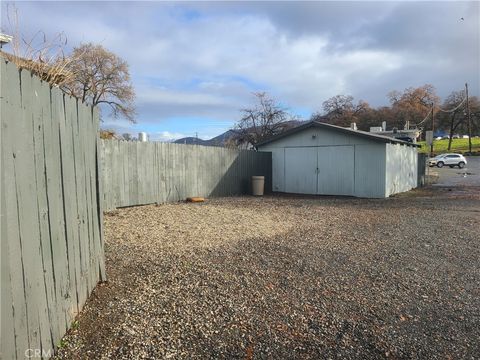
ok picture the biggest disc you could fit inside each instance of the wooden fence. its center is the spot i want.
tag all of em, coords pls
(136, 173)
(51, 216)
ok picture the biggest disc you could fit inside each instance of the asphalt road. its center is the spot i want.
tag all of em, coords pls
(468, 176)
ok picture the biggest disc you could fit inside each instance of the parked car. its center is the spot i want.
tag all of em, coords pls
(405, 138)
(448, 159)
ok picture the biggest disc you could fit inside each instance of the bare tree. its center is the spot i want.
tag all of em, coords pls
(127, 137)
(90, 72)
(266, 119)
(413, 104)
(374, 117)
(43, 56)
(474, 102)
(340, 110)
(453, 116)
(102, 78)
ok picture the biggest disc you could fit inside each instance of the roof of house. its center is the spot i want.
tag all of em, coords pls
(317, 124)
(5, 39)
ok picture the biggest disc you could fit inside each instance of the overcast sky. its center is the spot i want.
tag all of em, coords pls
(194, 65)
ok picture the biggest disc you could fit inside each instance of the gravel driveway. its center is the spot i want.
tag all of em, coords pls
(289, 277)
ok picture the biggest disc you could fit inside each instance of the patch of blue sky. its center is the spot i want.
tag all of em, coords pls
(184, 14)
(301, 112)
(176, 84)
(253, 85)
(158, 81)
(196, 82)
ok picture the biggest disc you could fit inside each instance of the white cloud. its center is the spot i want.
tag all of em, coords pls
(166, 136)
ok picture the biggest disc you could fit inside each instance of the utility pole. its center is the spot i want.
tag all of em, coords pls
(433, 129)
(469, 121)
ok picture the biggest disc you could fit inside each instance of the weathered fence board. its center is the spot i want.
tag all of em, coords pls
(136, 173)
(51, 245)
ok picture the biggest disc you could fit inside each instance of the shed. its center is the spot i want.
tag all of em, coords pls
(323, 159)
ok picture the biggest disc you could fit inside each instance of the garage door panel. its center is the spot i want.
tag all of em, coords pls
(336, 170)
(300, 170)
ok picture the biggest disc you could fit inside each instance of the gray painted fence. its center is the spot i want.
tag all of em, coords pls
(136, 173)
(51, 218)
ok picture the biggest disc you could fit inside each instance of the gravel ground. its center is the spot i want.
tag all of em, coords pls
(289, 277)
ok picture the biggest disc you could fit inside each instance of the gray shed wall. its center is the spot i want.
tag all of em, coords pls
(370, 170)
(401, 168)
(369, 162)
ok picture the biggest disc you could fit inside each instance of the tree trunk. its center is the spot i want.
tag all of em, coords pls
(452, 129)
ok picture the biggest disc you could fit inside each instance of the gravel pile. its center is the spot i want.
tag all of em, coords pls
(289, 277)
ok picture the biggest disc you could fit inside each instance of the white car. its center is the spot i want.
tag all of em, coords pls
(448, 159)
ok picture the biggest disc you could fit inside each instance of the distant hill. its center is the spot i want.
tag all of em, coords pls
(221, 139)
(190, 141)
(216, 141)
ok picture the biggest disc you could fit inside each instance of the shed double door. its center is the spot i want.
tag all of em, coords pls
(323, 170)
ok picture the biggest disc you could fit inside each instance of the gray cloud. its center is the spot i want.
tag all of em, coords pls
(187, 58)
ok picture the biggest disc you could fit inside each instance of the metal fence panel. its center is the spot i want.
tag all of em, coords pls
(422, 168)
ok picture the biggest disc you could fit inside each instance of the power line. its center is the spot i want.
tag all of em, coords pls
(445, 111)
(426, 118)
(455, 108)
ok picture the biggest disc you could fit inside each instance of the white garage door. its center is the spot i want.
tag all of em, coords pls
(325, 170)
(301, 170)
(336, 171)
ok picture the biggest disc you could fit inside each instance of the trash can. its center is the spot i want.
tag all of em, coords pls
(258, 183)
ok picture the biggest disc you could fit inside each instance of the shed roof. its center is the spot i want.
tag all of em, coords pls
(317, 124)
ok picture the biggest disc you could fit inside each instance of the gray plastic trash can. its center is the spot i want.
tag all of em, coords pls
(258, 184)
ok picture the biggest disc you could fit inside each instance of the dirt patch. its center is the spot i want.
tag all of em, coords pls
(288, 277)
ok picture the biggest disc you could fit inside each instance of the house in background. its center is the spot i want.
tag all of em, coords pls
(319, 158)
(405, 134)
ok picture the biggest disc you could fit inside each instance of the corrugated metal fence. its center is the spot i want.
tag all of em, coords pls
(422, 168)
(136, 173)
(51, 218)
